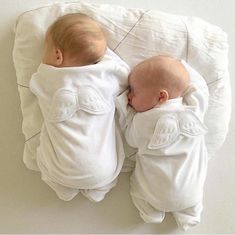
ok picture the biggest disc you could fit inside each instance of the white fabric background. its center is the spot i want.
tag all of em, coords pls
(27, 205)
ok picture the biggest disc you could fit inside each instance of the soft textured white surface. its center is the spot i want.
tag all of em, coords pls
(28, 206)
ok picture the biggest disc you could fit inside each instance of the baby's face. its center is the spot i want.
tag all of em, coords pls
(156, 80)
(141, 96)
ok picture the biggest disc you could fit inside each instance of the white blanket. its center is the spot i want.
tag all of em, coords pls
(134, 34)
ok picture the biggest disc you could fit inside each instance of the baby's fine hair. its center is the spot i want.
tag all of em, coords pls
(166, 72)
(78, 35)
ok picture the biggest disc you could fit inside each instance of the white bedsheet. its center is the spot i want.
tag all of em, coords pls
(133, 34)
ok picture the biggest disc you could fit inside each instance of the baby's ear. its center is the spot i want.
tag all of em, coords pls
(59, 57)
(163, 96)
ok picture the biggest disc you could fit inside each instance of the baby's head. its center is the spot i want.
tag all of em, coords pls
(155, 80)
(74, 40)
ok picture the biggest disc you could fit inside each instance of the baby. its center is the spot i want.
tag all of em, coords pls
(80, 149)
(162, 116)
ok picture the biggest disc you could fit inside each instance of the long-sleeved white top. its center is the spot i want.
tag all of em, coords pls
(79, 146)
(171, 161)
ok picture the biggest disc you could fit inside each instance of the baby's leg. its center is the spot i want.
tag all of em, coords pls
(148, 213)
(64, 193)
(188, 217)
(98, 194)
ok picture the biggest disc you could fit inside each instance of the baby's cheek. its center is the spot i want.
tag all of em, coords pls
(138, 105)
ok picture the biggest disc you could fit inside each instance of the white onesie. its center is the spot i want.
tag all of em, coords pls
(79, 146)
(171, 161)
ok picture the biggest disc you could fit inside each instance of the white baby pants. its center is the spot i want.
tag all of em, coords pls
(67, 194)
(185, 218)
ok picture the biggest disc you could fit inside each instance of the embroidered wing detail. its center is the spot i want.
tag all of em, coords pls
(92, 101)
(190, 125)
(63, 106)
(66, 103)
(165, 133)
(170, 126)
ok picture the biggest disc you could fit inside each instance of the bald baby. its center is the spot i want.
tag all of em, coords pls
(155, 80)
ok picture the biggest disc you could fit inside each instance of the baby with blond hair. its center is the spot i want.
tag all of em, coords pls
(161, 116)
(74, 40)
(80, 147)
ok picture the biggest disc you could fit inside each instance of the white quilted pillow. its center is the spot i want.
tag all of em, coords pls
(135, 35)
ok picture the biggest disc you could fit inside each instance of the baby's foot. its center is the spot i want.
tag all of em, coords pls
(94, 195)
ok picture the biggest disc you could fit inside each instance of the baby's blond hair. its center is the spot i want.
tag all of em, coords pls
(78, 35)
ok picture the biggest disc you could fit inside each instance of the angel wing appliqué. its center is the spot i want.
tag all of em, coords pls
(66, 102)
(170, 126)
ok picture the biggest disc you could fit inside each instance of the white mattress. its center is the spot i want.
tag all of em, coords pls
(135, 35)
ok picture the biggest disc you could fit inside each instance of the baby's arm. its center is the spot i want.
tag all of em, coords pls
(120, 72)
(125, 116)
(197, 94)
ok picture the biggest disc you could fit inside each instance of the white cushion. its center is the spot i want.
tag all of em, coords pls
(135, 35)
